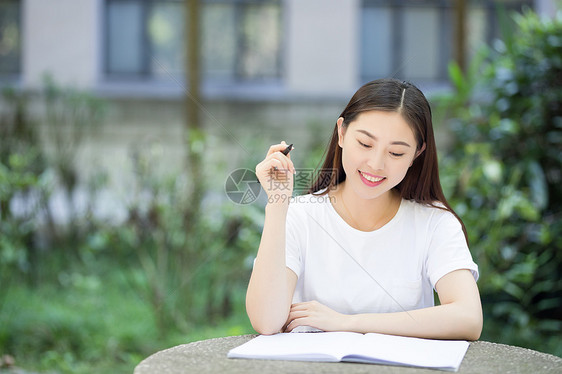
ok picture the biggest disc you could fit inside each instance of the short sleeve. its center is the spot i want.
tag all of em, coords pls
(448, 250)
(294, 231)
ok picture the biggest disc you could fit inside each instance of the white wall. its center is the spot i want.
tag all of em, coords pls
(61, 37)
(548, 8)
(321, 47)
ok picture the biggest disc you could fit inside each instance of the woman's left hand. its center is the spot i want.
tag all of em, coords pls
(314, 314)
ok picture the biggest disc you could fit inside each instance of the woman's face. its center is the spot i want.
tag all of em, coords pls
(377, 149)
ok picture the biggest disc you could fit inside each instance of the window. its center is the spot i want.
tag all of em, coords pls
(10, 39)
(240, 39)
(144, 38)
(413, 38)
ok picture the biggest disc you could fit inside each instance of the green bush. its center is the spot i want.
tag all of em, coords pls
(24, 190)
(192, 270)
(106, 294)
(33, 244)
(507, 121)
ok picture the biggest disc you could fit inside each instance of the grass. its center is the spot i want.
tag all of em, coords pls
(89, 324)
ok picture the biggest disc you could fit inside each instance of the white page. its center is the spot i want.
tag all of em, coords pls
(349, 346)
(299, 346)
(446, 354)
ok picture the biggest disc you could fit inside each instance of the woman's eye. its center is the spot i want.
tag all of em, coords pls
(364, 145)
(397, 154)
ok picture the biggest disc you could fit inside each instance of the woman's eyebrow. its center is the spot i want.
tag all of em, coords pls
(398, 142)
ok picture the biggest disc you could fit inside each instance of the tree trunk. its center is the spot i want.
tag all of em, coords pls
(194, 129)
(188, 259)
(460, 33)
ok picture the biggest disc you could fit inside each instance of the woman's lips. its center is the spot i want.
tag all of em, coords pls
(371, 180)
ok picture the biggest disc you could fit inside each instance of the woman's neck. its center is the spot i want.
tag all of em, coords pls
(365, 214)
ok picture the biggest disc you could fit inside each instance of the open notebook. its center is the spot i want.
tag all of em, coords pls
(353, 347)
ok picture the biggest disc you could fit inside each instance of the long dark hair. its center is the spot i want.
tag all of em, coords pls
(421, 182)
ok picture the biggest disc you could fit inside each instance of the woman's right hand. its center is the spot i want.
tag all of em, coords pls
(276, 174)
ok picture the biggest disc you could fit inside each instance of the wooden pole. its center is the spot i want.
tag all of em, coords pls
(459, 47)
(192, 99)
(192, 63)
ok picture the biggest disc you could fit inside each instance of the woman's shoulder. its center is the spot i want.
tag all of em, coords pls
(429, 212)
(434, 220)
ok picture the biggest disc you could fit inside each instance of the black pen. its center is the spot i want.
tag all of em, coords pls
(288, 149)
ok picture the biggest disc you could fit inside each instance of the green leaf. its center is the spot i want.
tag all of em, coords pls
(457, 77)
(538, 185)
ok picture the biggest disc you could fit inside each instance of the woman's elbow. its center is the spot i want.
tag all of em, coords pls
(473, 326)
(264, 326)
(266, 330)
(264, 323)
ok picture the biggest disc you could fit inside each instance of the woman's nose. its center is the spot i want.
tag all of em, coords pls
(376, 160)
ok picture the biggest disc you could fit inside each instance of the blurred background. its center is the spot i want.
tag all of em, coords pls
(122, 121)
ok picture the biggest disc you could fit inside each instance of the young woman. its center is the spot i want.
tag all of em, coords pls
(365, 248)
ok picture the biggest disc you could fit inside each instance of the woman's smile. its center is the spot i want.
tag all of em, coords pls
(371, 180)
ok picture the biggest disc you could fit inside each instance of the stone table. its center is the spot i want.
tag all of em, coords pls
(209, 356)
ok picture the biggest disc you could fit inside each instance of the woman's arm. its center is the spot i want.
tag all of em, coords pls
(458, 317)
(271, 287)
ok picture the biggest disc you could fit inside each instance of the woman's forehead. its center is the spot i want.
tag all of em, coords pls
(382, 124)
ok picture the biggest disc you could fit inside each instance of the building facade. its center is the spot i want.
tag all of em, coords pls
(250, 49)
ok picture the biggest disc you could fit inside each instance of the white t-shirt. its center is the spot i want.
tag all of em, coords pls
(392, 269)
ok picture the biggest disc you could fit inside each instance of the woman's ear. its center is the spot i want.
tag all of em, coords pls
(341, 131)
(418, 153)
